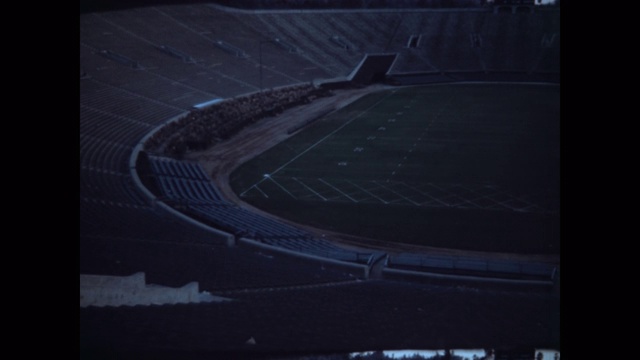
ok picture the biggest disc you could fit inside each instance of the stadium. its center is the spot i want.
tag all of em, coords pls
(288, 179)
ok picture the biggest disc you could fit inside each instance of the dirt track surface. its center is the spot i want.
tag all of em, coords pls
(223, 158)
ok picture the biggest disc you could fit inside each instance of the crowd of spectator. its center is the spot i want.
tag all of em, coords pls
(201, 129)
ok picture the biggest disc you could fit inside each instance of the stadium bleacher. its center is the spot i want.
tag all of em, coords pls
(282, 302)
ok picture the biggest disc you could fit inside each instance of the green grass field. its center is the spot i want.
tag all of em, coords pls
(473, 166)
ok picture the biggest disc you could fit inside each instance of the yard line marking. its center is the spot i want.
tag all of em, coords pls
(310, 189)
(402, 196)
(514, 197)
(448, 192)
(470, 199)
(249, 189)
(338, 190)
(503, 204)
(425, 194)
(263, 193)
(330, 134)
(488, 196)
(525, 209)
(282, 187)
(365, 190)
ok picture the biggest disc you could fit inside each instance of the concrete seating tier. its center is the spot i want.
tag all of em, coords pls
(175, 262)
(342, 318)
(473, 266)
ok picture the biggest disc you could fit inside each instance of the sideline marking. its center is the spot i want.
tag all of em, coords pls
(328, 135)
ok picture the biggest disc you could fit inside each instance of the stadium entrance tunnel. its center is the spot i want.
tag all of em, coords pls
(372, 69)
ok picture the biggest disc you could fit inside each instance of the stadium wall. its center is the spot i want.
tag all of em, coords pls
(402, 79)
(357, 270)
(403, 275)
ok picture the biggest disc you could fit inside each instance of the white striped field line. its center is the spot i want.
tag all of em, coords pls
(365, 190)
(504, 204)
(519, 198)
(428, 195)
(324, 138)
(451, 195)
(263, 193)
(338, 190)
(282, 187)
(425, 129)
(500, 204)
(195, 31)
(395, 192)
(488, 197)
(511, 198)
(470, 201)
(310, 189)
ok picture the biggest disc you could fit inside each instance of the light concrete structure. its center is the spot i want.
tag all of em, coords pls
(99, 290)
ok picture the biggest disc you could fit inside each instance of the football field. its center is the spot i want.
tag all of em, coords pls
(468, 166)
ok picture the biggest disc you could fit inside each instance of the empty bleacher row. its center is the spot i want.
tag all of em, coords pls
(108, 186)
(185, 183)
(100, 124)
(177, 188)
(179, 169)
(472, 41)
(457, 265)
(255, 46)
(212, 71)
(323, 248)
(108, 99)
(449, 41)
(104, 155)
(244, 223)
(173, 259)
(182, 183)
